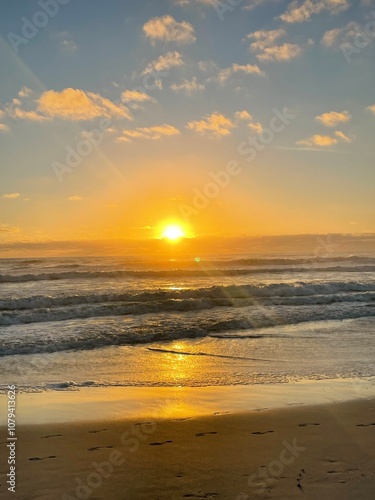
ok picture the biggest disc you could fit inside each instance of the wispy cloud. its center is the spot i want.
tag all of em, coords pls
(4, 127)
(325, 140)
(75, 198)
(216, 125)
(68, 46)
(285, 52)
(11, 196)
(333, 118)
(318, 140)
(371, 109)
(135, 96)
(15, 111)
(6, 228)
(163, 63)
(187, 86)
(265, 44)
(340, 135)
(246, 69)
(167, 29)
(244, 115)
(335, 38)
(300, 11)
(25, 92)
(252, 4)
(155, 132)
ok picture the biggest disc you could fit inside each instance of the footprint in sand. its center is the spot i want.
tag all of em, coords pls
(51, 436)
(36, 459)
(260, 433)
(365, 425)
(261, 409)
(182, 419)
(96, 431)
(221, 413)
(306, 425)
(200, 434)
(99, 448)
(159, 444)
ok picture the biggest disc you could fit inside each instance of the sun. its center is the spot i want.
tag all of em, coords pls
(173, 232)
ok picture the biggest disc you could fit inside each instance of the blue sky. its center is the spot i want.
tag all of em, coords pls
(182, 84)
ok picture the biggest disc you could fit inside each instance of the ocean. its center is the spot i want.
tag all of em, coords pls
(74, 322)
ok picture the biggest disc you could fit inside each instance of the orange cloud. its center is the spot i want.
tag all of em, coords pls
(318, 140)
(154, 132)
(215, 124)
(167, 29)
(135, 96)
(285, 52)
(333, 118)
(76, 104)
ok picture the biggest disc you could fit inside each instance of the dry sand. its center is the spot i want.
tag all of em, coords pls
(305, 452)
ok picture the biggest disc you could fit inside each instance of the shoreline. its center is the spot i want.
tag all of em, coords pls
(116, 403)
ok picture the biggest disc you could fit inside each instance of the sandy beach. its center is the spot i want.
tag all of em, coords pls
(297, 451)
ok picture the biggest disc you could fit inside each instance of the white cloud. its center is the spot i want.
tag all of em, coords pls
(333, 118)
(215, 125)
(188, 87)
(167, 29)
(300, 11)
(163, 63)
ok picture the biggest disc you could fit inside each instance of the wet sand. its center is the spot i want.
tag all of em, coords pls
(300, 451)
